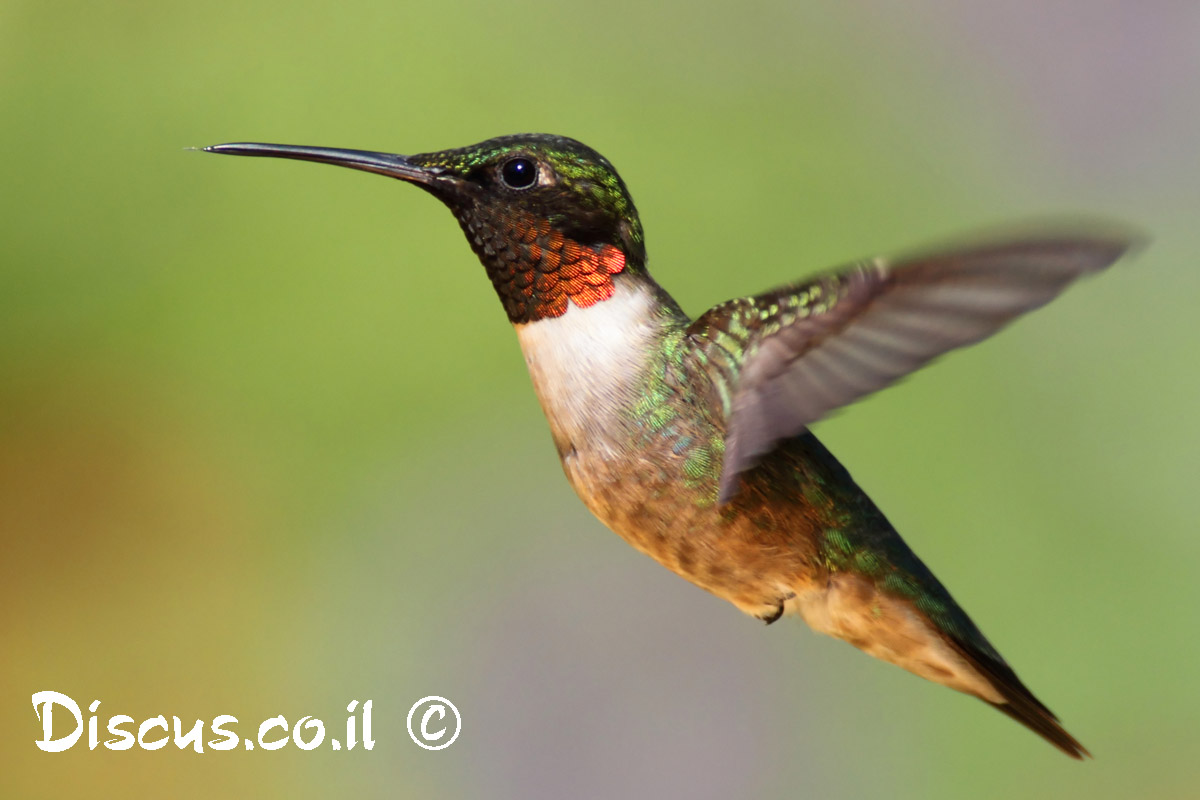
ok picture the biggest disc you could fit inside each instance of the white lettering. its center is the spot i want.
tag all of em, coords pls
(127, 739)
(192, 738)
(438, 709)
(273, 722)
(368, 742)
(93, 737)
(312, 724)
(154, 722)
(47, 700)
(231, 738)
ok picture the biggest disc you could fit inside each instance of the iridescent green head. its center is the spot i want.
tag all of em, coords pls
(549, 217)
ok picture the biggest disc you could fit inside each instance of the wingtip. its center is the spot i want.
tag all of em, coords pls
(1101, 241)
(1134, 242)
(1110, 241)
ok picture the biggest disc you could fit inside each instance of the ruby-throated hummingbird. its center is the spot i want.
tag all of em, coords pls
(690, 439)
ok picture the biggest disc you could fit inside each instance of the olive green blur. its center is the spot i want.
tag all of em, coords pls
(268, 445)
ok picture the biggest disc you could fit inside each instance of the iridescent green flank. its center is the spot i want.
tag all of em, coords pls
(860, 547)
(859, 539)
(700, 364)
(666, 410)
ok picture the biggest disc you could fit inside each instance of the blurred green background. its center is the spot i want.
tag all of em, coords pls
(267, 444)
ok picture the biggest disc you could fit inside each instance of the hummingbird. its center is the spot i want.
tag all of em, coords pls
(690, 438)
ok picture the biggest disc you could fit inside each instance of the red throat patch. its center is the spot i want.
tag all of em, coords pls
(537, 271)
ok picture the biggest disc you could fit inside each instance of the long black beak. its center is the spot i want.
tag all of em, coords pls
(393, 166)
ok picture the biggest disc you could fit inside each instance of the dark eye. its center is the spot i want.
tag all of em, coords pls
(518, 173)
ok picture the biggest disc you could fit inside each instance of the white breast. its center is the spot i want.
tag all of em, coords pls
(587, 363)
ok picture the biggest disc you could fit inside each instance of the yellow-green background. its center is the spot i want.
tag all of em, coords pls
(267, 443)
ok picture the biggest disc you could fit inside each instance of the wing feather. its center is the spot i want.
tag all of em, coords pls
(810, 348)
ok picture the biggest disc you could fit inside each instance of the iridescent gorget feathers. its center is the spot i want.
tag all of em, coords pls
(538, 255)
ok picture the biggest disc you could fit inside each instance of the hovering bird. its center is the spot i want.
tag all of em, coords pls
(690, 438)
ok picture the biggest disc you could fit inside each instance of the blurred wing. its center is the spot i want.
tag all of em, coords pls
(792, 355)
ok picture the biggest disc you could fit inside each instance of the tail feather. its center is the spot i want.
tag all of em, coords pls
(1019, 703)
(950, 651)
